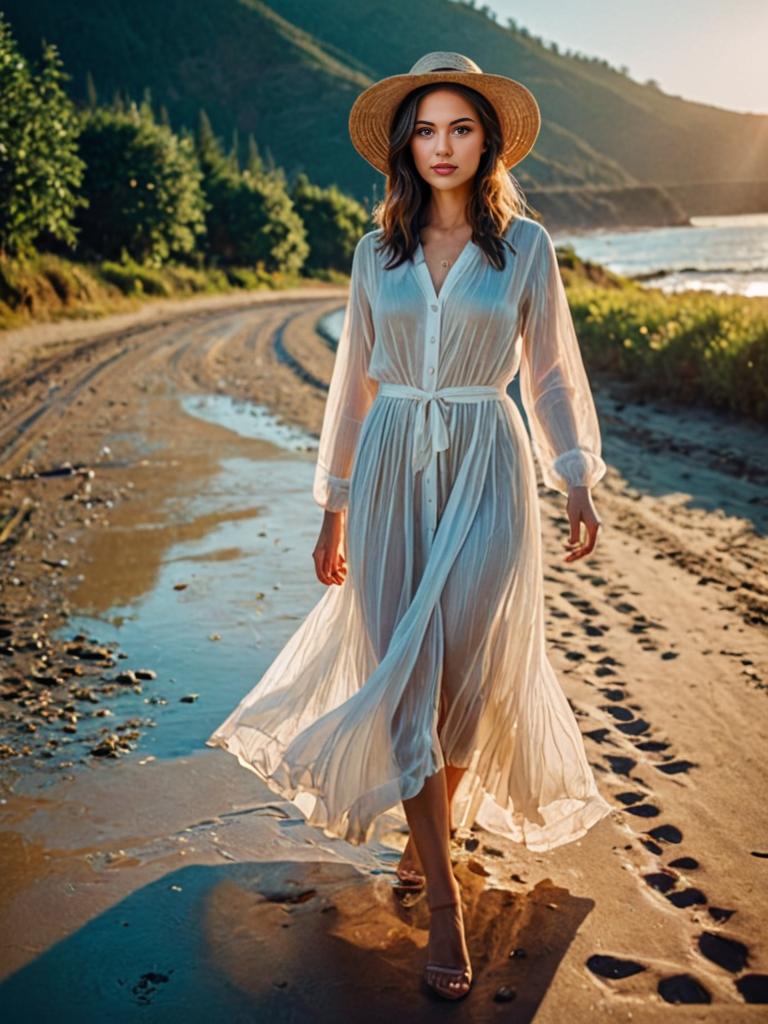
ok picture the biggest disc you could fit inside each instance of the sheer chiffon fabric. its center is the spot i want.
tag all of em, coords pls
(433, 651)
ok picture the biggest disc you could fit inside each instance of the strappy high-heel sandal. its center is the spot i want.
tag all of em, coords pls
(410, 880)
(455, 975)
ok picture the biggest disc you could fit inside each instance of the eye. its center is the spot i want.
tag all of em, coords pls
(459, 127)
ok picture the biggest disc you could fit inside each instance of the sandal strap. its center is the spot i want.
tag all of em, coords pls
(449, 970)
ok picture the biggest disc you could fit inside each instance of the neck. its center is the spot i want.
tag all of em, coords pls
(447, 211)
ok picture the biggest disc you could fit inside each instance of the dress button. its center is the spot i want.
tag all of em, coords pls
(432, 339)
(433, 308)
(431, 370)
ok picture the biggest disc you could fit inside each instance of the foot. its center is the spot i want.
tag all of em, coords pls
(410, 868)
(448, 969)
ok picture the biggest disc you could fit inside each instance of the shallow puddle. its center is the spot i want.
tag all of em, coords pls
(230, 519)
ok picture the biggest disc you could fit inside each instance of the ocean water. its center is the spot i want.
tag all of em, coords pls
(718, 254)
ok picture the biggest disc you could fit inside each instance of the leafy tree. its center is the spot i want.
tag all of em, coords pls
(254, 165)
(143, 185)
(40, 169)
(92, 96)
(250, 218)
(334, 223)
(209, 151)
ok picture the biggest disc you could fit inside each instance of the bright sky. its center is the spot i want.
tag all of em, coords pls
(713, 51)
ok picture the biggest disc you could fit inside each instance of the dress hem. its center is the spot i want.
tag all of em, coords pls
(588, 812)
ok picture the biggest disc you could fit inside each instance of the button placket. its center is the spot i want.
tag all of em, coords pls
(429, 383)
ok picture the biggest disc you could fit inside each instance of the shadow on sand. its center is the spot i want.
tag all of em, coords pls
(292, 942)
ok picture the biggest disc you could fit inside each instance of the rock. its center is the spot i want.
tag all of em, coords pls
(504, 994)
(128, 677)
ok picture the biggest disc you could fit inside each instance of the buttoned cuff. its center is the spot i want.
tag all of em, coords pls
(330, 492)
(578, 467)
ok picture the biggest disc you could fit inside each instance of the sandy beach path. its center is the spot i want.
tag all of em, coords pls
(166, 882)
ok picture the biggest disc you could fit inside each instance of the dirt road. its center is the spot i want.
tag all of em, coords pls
(176, 515)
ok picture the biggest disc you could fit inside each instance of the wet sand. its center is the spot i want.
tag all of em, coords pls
(145, 878)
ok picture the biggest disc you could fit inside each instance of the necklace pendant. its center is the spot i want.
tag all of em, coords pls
(445, 263)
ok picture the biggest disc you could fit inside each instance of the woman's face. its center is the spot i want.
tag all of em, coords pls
(447, 131)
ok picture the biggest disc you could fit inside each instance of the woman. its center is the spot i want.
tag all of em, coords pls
(420, 679)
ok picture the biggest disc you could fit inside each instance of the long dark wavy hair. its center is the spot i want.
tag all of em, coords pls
(495, 201)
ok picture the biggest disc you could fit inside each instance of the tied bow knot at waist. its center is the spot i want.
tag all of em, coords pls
(431, 434)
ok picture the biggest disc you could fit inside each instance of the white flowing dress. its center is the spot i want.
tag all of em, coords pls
(432, 650)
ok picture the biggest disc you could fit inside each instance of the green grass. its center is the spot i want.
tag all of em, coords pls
(696, 348)
(46, 287)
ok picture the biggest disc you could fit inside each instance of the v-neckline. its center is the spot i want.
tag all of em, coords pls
(421, 265)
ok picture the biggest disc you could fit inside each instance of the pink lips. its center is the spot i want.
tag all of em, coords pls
(443, 169)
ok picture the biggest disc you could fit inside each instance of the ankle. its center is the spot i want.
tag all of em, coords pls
(444, 892)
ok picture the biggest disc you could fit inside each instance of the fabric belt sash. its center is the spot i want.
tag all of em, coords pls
(431, 433)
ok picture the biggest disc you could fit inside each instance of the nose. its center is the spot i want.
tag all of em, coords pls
(443, 147)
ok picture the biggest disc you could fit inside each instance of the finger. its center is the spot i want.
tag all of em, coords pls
(578, 553)
(339, 572)
(575, 535)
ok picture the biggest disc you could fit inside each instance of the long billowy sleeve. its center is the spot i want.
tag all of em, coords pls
(558, 402)
(350, 392)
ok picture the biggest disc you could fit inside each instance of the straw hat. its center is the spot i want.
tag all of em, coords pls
(371, 115)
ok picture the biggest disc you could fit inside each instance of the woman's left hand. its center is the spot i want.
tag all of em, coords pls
(581, 510)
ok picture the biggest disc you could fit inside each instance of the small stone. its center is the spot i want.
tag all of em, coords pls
(128, 677)
(504, 994)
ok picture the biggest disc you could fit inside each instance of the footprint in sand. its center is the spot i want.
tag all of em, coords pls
(684, 863)
(720, 914)
(730, 954)
(617, 711)
(613, 693)
(690, 897)
(661, 881)
(636, 727)
(584, 605)
(620, 765)
(678, 988)
(652, 746)
(666, 834)
(644, 811)
(683, 988)
(733, 956)
(753, 988)
(613, 967)
(676, 767)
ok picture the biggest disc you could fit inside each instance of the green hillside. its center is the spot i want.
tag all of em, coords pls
(288, 71)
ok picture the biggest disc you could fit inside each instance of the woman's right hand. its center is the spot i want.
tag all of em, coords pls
(330, 550)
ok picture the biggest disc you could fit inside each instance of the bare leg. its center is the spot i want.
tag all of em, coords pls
(427, 814)
(411, 859)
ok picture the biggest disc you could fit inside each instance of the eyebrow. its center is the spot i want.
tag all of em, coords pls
(456, 121)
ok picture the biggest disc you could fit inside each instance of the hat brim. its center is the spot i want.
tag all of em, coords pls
(371, 115)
